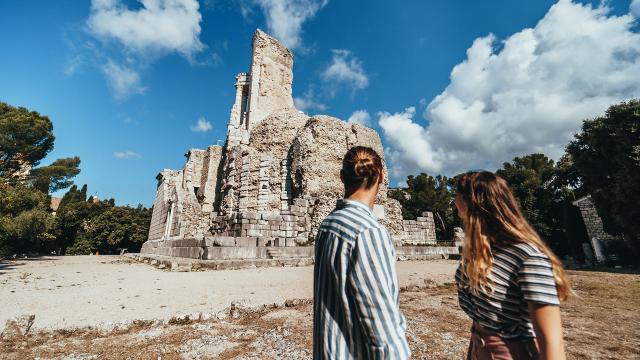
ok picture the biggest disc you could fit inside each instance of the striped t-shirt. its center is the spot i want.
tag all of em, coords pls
(520, 274)
(356, 312)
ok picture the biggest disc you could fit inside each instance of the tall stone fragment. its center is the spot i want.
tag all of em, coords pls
(271, 78)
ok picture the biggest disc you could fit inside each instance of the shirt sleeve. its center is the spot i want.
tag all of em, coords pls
(536, 280)
(374, 286)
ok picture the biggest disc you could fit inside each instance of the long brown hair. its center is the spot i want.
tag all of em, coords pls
(492, 215)
(361, 166)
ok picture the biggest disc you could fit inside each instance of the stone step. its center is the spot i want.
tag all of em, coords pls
(275, 253)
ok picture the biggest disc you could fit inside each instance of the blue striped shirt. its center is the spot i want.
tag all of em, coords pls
(356, 313)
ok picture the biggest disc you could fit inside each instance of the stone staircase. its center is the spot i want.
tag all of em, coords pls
(275, 254)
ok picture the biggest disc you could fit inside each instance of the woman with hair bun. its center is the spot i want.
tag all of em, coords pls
(356, 312)
(509, 282)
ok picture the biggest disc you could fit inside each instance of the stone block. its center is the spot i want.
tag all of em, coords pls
(224, 241)
(245, 241)
(271, 217)
(252, 215)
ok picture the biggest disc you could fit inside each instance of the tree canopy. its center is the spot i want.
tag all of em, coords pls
(57, 176)
(26, 137)
(605, 159)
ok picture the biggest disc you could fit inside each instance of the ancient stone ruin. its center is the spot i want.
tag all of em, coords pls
(594, 250)
(264, 193)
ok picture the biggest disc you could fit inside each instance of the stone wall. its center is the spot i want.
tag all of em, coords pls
(289, 228)
(421, 231)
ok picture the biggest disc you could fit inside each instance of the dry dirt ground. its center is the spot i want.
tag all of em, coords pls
(101, 291)
(602, 321)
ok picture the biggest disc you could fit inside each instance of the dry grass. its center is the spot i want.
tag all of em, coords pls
(601, 322)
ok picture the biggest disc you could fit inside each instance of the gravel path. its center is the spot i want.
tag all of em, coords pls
(101, 291)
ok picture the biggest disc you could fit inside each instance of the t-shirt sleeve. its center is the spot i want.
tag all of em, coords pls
(536, 280)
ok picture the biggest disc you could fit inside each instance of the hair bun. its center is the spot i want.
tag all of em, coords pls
(361, 166)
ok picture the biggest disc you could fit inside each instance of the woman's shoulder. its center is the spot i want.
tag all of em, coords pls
(524, 250)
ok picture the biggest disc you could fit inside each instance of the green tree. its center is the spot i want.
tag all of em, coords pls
(605, 156)
(71, 215)
(26, 224)
(56, 176)
(428, 193)
(529, 177)
(120, 227)
(26, 137)
(545, 191)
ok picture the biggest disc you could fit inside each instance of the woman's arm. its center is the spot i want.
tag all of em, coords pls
(548, 328)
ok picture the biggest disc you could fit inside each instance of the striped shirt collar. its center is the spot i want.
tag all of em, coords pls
(342, 203)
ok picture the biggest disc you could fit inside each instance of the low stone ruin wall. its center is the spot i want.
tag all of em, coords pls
(421, 231)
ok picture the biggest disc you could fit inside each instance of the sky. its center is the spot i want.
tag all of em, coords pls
(450, 86)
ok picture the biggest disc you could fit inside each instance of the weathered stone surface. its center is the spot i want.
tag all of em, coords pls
(316, 160)
(316, 156)
(17, 327)
(392, 218)
(271, 78)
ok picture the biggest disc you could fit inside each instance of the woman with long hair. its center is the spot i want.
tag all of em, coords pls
(509, 282)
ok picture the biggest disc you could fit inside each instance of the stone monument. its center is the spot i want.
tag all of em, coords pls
(269, 187)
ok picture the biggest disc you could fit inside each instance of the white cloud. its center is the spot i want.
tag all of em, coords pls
(346, 69)
(158, 26)
(122, 80)
(408, 148)
(202, 125)
(123, 155)
(634, 8)
(308, 102)
(530, 96)
(285, 17)
(361, 117)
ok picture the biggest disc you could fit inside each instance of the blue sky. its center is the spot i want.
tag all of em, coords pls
(128, 102)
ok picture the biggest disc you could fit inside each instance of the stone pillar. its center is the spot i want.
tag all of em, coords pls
(238, 122)
(263, 184)
(588, 253)
(286, 184)
(229, 183)
(598, 250)
(245, 182)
